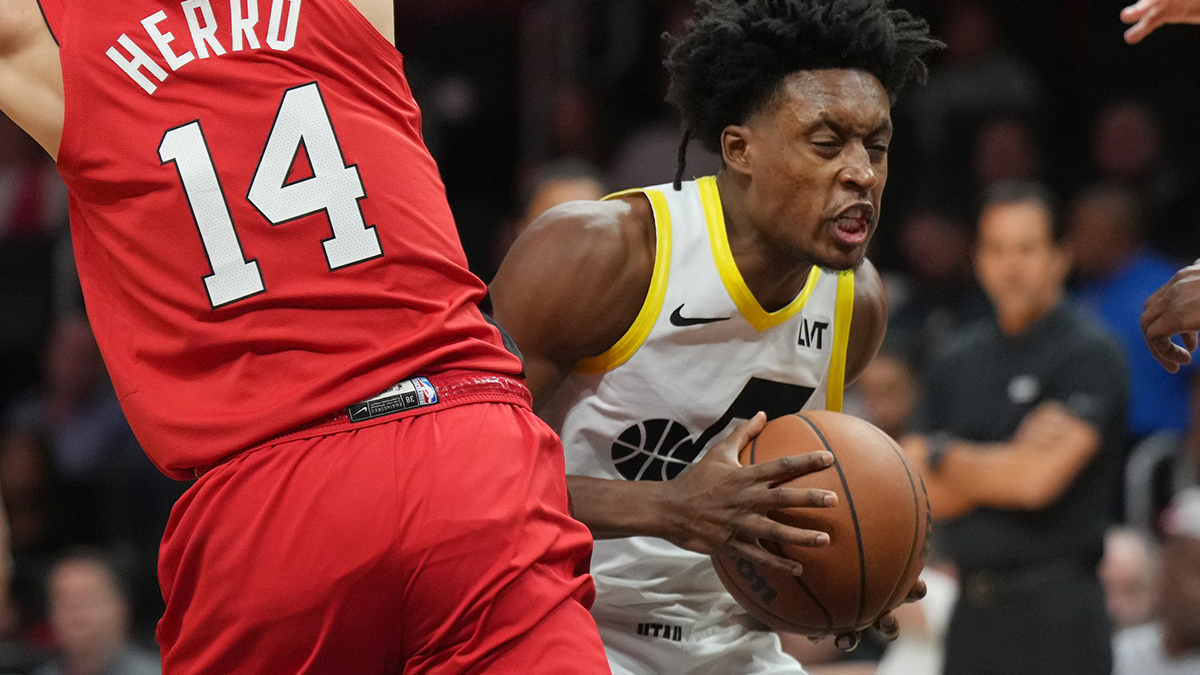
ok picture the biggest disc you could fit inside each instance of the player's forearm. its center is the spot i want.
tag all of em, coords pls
(617, 508)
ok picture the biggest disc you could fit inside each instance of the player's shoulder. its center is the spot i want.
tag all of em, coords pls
(868, 287)
(593, 232)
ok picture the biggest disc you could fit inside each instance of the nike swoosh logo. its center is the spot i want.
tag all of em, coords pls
(678, 319)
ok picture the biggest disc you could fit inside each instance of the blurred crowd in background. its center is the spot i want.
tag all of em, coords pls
(529, 103)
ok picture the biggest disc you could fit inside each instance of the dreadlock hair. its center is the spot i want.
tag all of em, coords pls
(736, 54)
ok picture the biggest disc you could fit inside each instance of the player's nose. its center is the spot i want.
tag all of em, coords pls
(858, 171)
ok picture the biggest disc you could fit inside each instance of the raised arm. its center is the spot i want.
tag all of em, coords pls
(31, 89)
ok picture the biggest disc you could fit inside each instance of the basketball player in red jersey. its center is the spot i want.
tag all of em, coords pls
(795, 95)
(274, 278)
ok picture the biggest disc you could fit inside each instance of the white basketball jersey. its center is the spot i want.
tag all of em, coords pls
(701, 355)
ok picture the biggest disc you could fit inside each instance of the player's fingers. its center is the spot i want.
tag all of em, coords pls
(1153, 309)
(761, 557)
(917, 592)
(1150, 20)
(1135, 11)
(798, 497)
(787, 498)
(1159, 332)
(792, 466)
(888, 626)
(742, 435)
(1190, 340)
(764, 528)
(1167, 353)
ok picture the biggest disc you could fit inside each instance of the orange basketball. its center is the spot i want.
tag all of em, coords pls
(879, 530)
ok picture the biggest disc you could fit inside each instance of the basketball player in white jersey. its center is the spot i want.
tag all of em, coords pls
(652, 320)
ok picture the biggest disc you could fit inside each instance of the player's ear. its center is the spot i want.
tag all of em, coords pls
(737, 148)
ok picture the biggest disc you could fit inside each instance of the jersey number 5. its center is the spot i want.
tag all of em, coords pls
(334, 188)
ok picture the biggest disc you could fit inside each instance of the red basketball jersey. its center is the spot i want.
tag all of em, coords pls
(261, 234)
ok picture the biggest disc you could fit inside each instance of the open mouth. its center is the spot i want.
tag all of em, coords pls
(852, 226)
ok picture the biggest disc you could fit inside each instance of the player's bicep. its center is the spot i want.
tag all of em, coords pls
(568, 289)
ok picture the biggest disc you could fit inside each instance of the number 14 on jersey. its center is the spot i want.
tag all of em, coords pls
(334, 188)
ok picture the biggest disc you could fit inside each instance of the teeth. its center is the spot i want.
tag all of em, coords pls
(855, 213)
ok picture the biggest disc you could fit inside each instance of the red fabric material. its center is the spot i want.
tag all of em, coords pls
(53, 11)
(200, 383)
(400, 547)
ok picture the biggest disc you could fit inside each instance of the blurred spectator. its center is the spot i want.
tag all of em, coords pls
(90, 613)
(1117, 272)
(560, 182)
(33, 199)
(1005, 150)
(73, 473)
(26, 481)
(650, 156)
(556, 183)
(938, 294)
(33, 215)
(977, 80)
(91, 448)
(1129, 572)
(889, 388)
(1171, 646)
(575, 124)
(1128, 150)
(1023, 415)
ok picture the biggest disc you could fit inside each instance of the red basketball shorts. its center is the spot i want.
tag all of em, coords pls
(435, 543)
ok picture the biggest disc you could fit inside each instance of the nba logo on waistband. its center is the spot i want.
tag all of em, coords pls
(410, 393)
(426, 394)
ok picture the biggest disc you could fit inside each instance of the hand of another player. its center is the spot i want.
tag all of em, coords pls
(887, 625)
(720, 506)
(1174, 310)
(1148, 15)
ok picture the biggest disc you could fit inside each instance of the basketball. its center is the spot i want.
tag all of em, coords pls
(879, 530)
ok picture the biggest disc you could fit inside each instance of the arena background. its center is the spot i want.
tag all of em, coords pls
(511, 89)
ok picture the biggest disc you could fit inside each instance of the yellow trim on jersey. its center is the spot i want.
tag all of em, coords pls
(731, 276)
(633, 338)
(842, 313)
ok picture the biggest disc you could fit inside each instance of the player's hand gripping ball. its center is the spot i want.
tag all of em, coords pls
(879, 530)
